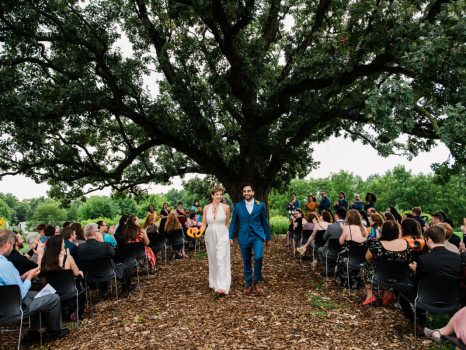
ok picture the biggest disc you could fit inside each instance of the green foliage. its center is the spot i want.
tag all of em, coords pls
(9, 199)
(126, 206)
(5, 211)
(243, 89)
(279, 225)
(109, 221)
(50, 213)
(21, 212)
(96, 207)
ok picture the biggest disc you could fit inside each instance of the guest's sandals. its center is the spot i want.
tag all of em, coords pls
(430, 334)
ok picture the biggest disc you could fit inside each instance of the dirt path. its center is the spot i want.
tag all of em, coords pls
(176, 310)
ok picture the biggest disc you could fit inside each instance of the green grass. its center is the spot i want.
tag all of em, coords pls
(279, 225)
(200, 255)
(321, 302)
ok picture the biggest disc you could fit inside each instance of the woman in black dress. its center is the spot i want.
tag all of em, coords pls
(163, 215)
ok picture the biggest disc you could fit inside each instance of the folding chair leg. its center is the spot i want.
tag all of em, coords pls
(415, 335)
(20, 330)
(348, 276)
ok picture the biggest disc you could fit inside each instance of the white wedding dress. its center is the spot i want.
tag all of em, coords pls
(217, 242)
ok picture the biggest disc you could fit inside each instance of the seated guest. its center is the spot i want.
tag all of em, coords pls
(48, 304)
(173, 228)
(95, 248)
(333, 231)
(457, 325)
(395, 213)
(364, 219)
(388, 247)
(108, 237)
(354, 234)
(67, 224)
(119, 229)
(416, 212)
(357, 204)
(388, 216)
(22, 263)
(33, 240)
(448, 233)
(439, 263)
(342, 203)
(49, 231)
(317, 236)
(57, 258)
(298, 224)
(133, 233)
(69, 237)
(371, 211)
(375, 221)
(308, 229)
(79, 232)
(411, 232)
(407, 216)
(152, 228)
(40, 230)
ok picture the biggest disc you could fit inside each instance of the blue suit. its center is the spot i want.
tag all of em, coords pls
(254, 230)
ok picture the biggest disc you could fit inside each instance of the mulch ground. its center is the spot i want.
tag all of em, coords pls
(300, 310)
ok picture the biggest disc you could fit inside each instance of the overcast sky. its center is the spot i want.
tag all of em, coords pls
(334, 155)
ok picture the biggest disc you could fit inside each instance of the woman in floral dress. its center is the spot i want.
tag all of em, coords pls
(388, 247)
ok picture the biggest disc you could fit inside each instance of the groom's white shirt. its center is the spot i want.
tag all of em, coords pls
(249, 205)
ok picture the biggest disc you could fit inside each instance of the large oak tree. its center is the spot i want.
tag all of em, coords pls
(238, 89)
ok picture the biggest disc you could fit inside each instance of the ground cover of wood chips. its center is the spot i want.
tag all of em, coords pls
(300, 310)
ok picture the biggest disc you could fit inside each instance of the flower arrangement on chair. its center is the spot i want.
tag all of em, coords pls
(194, 229)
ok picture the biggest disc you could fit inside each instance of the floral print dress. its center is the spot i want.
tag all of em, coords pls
(380, 253)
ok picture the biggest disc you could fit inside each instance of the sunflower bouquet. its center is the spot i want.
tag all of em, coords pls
(194, 229)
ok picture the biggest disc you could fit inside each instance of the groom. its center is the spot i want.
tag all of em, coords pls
(254, 230)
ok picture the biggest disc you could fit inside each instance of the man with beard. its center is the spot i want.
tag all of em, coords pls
(22, 263)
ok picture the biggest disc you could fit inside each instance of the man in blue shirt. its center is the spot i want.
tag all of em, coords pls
(108, 237)
(324, 202)
(293, 204)
(342, 203)
(416, 211)
(357, 204)
(48, 304)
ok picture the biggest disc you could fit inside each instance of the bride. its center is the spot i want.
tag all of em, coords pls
(217, 218)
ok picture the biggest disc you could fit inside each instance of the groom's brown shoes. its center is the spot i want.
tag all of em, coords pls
(248, 290)
(259, 290)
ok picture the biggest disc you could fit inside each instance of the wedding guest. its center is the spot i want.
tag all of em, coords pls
(407, 216)
(389, 216)
(342, 203)
(354, 235)
(457, 325)
(33, 240)
(412, 233)
(364, 218)
(375, 221)
(333, 231)
(164, 216)
(416, 211)
(439, 263)
(49, 231)
(107, 233)
(119, 229)
(395, 213)
(370, 201)
(320, 226)
(173, 227)
(436, 219)
(299, 222)
(324, 202)
(66, 224)
(48, 304)
(40, 230)
(151, 209)
(22, 263)
(197, 210)
(448, 233)
(133, 233)
(293, 204)
(387, 247)
(311, 205)
(57, 258)
(79, 232)
(152, 229)
(69, 237)
(357, 204)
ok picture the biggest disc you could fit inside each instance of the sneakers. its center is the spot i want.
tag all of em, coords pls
(301, 250)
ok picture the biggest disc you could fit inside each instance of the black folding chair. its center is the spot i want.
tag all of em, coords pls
(455, 341)
(175, 238)
(436, 296)
(127, 257)
(356, 258)
(388, 273)
(157, 242)
(334, 248)
(11, 311)
(65, 285)
(100, 271)
(140, 254)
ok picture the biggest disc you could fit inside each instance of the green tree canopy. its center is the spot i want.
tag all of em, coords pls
(21, 212)
(96, 207)
(5, 211)
(50, 213)
(240, 90)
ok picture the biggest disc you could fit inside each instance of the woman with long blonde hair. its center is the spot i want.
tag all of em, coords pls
(173, 228)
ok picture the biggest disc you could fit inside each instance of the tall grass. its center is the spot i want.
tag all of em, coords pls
(279, 225)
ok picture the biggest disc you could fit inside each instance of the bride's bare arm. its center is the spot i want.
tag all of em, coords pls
(204, 222)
